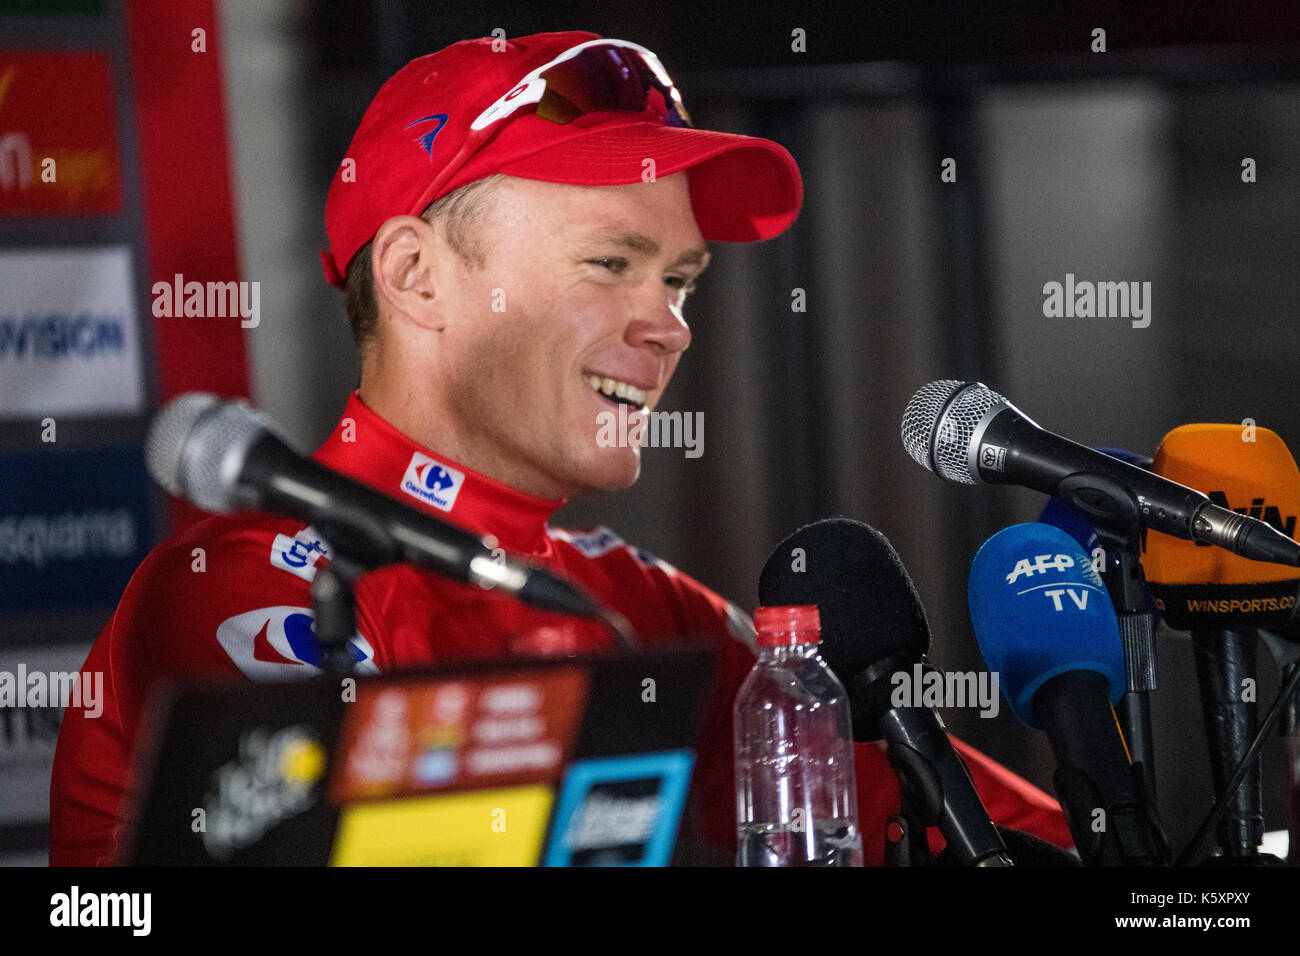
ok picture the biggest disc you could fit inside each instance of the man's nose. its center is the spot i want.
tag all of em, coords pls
(656, 323)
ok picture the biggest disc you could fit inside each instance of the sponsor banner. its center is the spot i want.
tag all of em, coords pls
(74, 525)
(29, 733)
(58, 135)
(69, 343)
(458, 734)
(621, 811)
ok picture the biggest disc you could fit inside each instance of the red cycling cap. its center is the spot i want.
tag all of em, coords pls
(567, 107)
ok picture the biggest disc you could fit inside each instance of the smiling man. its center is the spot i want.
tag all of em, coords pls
(570, 306)
(517, 225)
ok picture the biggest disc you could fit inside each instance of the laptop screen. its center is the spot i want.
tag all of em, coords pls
(571, 761)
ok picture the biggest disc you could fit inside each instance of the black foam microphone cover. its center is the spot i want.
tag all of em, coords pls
(872, 620)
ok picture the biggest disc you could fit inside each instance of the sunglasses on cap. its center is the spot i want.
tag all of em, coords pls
(588, 78)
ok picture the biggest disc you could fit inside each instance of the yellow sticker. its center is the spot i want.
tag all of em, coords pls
(303, 762)
(483, 828)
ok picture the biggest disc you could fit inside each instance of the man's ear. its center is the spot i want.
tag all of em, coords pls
(404, 265)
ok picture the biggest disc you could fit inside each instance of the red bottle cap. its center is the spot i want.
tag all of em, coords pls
(789, 624)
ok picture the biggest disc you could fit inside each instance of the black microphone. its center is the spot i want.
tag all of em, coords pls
(968, 433)
(223, 456)
(873, 626)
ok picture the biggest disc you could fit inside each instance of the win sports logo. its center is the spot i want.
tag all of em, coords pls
(1269, 514)
(432, 481)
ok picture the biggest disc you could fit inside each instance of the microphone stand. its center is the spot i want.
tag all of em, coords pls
(333, 595)
(906, 843)
(1124, 582)
(1224, 658)
(1115, 517)
(1195, 850)
(358, 544)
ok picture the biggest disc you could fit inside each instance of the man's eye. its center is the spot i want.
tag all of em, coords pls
(680, 282)
(613, 263)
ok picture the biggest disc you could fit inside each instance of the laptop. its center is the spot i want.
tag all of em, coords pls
(573, 761)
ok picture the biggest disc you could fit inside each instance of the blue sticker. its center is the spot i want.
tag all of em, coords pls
(620, 811)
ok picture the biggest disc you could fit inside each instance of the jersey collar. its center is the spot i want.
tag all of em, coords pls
(366, 447)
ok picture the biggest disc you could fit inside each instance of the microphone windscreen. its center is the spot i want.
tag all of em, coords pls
(939, 422)
(1039, 609)
(1245, 469)
(170, 429)
(869, 607)
(196, 446)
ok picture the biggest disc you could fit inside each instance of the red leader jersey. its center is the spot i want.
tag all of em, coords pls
(232, 595)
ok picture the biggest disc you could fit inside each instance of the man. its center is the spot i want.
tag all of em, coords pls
(517, 225)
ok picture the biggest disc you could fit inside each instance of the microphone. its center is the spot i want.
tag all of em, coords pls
(223, 457)
(968, 433)
(1198, 588)
(873, 626)
(1045, 626)
(1117, 550)
(1223, 600)
(1062, 514)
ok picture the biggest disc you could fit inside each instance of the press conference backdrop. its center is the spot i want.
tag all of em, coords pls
(110, 180)
(1122, 167)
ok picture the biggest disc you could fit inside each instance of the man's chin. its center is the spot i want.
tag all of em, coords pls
(612, 472)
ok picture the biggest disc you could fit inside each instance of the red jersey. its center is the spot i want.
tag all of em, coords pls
(232, 595)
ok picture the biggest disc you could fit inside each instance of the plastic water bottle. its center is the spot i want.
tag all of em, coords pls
(796, 796)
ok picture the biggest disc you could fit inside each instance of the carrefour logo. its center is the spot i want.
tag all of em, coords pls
(279, 643)
(432, 481)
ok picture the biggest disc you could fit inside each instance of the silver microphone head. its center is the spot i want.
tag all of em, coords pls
(940, 426)
(196, 448)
